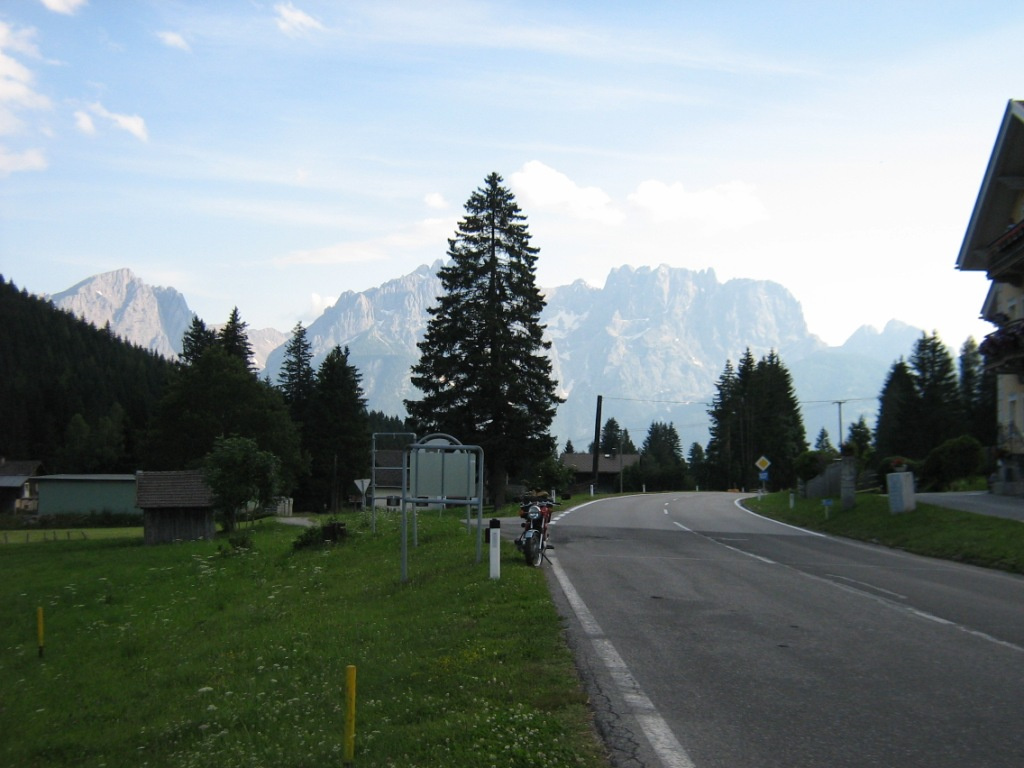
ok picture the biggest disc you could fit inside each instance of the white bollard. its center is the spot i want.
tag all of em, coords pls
(494, 533)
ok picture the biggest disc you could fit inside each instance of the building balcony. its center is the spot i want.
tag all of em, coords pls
(1006, 256)
(1003, 349)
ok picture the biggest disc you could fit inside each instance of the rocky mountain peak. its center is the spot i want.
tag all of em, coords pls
(152, 317)
(652, 342)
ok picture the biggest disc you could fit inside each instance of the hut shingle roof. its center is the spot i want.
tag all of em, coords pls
(184, 489)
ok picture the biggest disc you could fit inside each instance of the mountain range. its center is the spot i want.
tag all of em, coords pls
(653, 342)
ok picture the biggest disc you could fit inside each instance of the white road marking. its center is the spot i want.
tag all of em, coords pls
(866, 585)
(722, 544)
(664, 743)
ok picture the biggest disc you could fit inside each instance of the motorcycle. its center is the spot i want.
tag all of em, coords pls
(536, 514)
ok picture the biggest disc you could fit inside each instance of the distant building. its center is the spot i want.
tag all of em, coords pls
(176, 506)
(17, 489)
(994, 242)
(86, 494)
(609, 470)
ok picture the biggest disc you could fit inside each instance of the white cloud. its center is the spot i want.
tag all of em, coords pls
(29, 160)
(436, 201)
(15, 78)
(318, 304)
(19, 40)
(428, 235)
(84, 123)
(294, 22)
(544, 187)
(66, 7)
(174, 40)
(134, 124)
(726, 206)
(17, 91)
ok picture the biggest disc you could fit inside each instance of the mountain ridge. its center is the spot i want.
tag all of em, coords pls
(653, 342)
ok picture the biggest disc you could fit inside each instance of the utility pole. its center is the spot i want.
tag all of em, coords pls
(597, 437)
(840, 438)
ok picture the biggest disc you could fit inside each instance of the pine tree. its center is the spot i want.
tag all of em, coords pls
(234, 338)
(978, 393)
(611, 438)
(721, 460)
(197, 339)
(942, 414)
(297, 375)
(823, 444)
(898, 410)
(777, 428)
(858, 440)
(338, 434)
(755, 413)
(662, 466)
(217, 396)
(483, 373)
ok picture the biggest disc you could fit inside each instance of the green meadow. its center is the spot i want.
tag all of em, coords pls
(206, 654)
(991, 542)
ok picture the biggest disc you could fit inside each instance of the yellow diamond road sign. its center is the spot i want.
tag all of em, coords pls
(762, 463)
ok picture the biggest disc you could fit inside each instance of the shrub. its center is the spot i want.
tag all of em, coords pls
(810, 464)
(332, 531)
(955, 459)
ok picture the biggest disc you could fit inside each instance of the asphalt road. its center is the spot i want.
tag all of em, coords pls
(710, 637)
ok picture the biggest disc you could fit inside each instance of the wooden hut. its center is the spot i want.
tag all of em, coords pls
(176, 506)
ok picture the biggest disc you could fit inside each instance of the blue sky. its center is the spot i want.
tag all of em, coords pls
(272, 155)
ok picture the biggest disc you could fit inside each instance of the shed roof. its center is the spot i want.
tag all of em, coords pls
(172, 490)
(86, 478)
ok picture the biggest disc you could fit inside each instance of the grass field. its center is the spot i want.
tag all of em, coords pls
(991, 542)
(196, 654)
(35, 535)
(199, 654)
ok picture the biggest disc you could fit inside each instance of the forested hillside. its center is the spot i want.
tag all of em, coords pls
(72, 396)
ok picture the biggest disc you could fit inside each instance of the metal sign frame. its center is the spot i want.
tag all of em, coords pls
(443, 481)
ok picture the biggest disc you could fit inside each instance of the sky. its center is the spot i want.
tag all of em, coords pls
(272, 155)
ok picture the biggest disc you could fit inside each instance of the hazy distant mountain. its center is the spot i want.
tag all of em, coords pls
(652, 342)
(153, 318)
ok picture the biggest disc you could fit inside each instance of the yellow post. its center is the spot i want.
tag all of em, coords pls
(39, 628)
(350, 714)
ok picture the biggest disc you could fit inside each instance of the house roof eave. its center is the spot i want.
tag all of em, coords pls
(1003, 178)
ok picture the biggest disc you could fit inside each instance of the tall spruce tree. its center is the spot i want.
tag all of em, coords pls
(755, 413)
(218, 396)
(197, 339)
(662, 466)
(898, 409)
(338, 433)
(978, 392)
(234, 338)
(483, 373)
(942, 414)
(721, 458)
(777, 428)
(296, 380)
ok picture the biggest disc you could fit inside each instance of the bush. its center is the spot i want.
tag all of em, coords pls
(955, 459)
(331, 532)
(810, 464)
